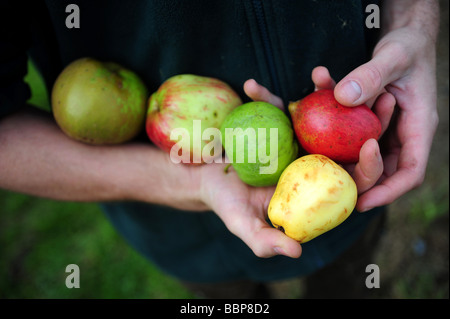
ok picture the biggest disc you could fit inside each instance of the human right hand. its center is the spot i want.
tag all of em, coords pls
(243, 209)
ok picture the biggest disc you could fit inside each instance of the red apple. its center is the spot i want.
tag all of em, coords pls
(324, 126)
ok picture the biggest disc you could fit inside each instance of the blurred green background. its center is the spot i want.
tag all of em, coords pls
(40, 237)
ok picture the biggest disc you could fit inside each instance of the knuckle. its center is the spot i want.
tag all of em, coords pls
(419, 176)
(373, 77)
(401, 54)
(419, 180)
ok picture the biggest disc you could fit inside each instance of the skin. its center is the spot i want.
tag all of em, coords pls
(402, 70)
(406, 79)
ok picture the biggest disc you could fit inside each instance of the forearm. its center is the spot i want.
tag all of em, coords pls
(38, 159)
(421, 16)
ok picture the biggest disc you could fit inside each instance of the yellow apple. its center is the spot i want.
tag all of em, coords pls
(313, 195)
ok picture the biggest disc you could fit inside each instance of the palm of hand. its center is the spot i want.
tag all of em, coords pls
(243, 209)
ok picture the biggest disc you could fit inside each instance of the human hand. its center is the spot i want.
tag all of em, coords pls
(370, 166)
(401, 71)
(241, 207)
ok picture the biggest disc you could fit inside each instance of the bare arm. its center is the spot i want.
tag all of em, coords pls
(38, 159)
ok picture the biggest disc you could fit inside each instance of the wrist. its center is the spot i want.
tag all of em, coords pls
(155, 179)
(188, 190)
(418, 16)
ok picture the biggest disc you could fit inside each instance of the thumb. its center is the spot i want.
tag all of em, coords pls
(368, 80)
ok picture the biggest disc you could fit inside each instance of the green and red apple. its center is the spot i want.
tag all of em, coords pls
(99, 102)
(181, 111)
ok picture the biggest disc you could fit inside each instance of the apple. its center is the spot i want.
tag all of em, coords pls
(185, 106)
(259, 141)
(99, 102)
(314, 195)
(324, 126)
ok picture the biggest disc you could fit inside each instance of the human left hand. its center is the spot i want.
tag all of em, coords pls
(401, 71)
(400, 79)
(370, 166)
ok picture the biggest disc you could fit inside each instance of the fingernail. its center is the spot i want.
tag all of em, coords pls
(351, 90)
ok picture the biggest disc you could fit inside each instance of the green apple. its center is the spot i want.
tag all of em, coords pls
(259, 142)
(99, 102)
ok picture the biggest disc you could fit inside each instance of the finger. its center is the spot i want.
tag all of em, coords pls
(246, 218)
(370, 166)
(266, 241)
(384, 108)
(402, 173)
(369, 79)
(322, 78)
(257, 92)
(389, 190)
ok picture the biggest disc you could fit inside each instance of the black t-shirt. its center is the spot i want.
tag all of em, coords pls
(278, 43)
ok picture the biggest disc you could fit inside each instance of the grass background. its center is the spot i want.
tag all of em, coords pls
(40, 237)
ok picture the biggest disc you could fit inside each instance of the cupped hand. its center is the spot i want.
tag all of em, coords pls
(401, 71)
(241, 207)
(369, 169)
